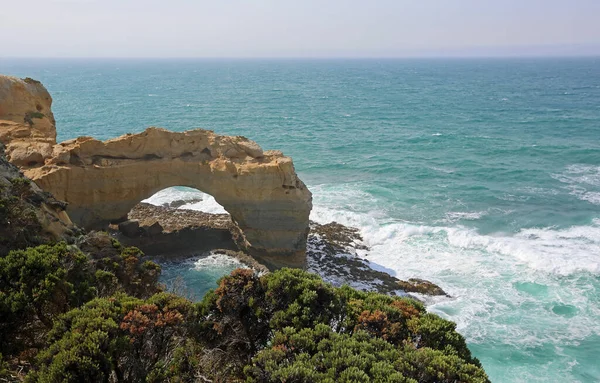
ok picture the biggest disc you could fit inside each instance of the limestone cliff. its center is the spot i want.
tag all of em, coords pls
(28, 215)
(103, 181)
(27, 126)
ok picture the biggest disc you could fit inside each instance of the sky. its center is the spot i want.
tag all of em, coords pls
(300, 28)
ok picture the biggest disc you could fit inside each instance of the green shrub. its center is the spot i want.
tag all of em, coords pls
(296, 328)
(37, 285)
(123, 338)
(321, 355)
(19, 224)
(29, 116)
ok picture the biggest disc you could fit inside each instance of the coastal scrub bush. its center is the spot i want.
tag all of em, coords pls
(36, 285)
(29, 116)
(321, 355)
(121, 338)
(119, 268)
(291, 326)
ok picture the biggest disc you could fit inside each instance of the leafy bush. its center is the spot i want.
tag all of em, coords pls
(40, 283)
(291, 326)
(321, 355)
(37, 285)
(122, 338)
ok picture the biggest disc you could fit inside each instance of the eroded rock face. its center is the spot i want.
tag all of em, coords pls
(27, 126)
(103, 181)
(28, 215)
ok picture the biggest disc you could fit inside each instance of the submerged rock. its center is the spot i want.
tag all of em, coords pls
(421, 286)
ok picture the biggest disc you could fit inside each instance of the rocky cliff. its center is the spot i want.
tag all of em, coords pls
(27, 126)
(28, 215)
(102, 181)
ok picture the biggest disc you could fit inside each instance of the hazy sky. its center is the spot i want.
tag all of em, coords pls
(300, 28)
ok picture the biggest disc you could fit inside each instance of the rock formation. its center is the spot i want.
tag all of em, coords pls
(27, 126)
(103, 181)
(28, 215)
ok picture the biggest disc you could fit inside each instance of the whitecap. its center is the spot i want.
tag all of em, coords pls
(207, 205)
(219, 260)
(454, 216)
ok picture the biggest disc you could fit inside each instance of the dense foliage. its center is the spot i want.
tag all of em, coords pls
(287, 326)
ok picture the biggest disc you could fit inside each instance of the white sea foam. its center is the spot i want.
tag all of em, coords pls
(197, 200)
(483, 274)
(454, 216)
(581, 174)
(583, 182)
(207, 205)
(214, 260)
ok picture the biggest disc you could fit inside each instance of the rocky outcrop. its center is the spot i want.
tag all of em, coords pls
(28, 215)
(27, 126)
(337, 254)
(184, 233)
(102, 181)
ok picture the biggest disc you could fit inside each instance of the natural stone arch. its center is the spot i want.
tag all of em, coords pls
(103, 181)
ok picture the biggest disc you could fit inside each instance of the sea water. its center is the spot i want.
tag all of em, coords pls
(482, 176)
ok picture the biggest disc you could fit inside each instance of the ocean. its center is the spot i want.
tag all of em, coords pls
(481, 175)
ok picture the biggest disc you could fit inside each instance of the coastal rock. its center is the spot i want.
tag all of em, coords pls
(27, 125)
(130, 228)
(28, 215)
(184, 233)
(180, 202)
(102, 181)
(337, 254)
(421, 286)
(154, 229)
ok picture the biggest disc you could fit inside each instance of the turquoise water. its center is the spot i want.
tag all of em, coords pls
(480, 175)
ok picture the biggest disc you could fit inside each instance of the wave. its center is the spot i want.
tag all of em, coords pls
(536, 288)
(217, 260)
(583, 182)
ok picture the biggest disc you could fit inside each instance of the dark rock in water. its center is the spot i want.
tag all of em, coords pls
(154, 229)
(333, 253)
(421, 286)
(130, 228)
(180, 202)
(338, 235)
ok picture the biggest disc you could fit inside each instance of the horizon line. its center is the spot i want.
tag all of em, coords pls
(507, 56)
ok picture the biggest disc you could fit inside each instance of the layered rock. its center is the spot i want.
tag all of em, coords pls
(103, 181)
(27, 125)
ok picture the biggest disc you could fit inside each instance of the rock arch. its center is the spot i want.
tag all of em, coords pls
(102, 181)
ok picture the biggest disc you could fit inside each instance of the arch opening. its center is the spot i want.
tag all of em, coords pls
(178, 223)
(183, 197)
